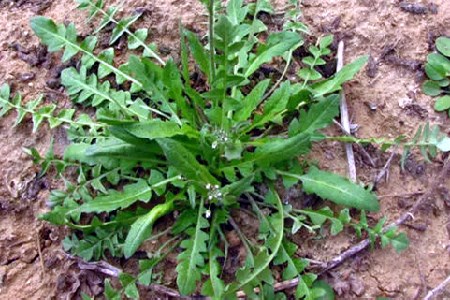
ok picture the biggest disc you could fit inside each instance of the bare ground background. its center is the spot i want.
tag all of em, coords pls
(398, 42)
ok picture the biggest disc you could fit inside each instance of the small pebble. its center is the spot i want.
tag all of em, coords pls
(372, 106)
(403, 102)
(28, 255)
(2, 275)
(420, 169)
(414, 8)
(27, 76)
(53, 236)
(353, 128)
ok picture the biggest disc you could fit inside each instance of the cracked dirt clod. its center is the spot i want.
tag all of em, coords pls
(28, 255)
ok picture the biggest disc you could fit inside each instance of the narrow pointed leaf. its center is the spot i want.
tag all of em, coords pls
(142, 228)
(287, 41)
(251, 101)
(185, 161)
(345, 74)
(274, 106)
(139, 37)
(4, 99)
(47, 30)
(199, 53)
(246, 276)
(157, 128)
(339, 190)
(119, 200)
(320, 115)
(54, 36)
(282, 149)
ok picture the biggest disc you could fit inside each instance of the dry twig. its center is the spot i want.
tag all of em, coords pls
(437, 290)
(344, 117)
(401, 195)
(384, 171)
(41, 257)
(361, 147)
(109, 270)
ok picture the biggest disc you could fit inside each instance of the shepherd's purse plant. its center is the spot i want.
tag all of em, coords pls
(199, 141)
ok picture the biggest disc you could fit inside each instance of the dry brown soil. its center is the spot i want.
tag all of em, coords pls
(398, 42)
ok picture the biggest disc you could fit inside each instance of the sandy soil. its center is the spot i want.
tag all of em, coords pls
(398, 42)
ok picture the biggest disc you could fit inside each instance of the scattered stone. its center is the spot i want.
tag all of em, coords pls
(28, 255)
(414, 8)
(371, 105)
(419, 8)
(35, 56)
(419, 227)
(404, 102)
(354, 128)
(372, 67)
(2, 275)
(416, 111)
(27, 76)
(409, 64)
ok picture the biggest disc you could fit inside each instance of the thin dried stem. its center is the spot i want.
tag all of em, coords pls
(109, 270)
(39, 249)
(437, 290)
(384, 171)
(344, 117)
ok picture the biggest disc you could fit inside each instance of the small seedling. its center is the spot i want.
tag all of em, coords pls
(438, 72)
(387, 236)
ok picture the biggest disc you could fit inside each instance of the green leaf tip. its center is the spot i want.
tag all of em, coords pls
(339, 190)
